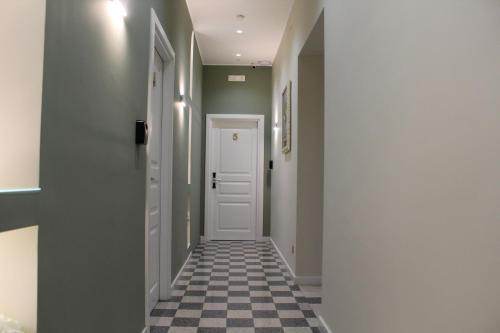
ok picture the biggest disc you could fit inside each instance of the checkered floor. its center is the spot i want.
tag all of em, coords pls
(236, 287)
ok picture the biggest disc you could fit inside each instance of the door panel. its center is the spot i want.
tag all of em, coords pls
(154, 156)
(233, 158)
(236, 143)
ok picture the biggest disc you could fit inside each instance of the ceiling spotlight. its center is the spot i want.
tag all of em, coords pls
(240, 17)
(238, 55)
(239, 31)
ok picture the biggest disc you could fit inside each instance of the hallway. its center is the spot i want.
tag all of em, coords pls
(236, 286)
(250, 166)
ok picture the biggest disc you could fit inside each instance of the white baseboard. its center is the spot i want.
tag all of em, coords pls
(308, 280)
(181, 270)
(324, 324)
(145, 330)
(283, 258)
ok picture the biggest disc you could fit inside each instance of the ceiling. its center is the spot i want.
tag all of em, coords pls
(216, 22)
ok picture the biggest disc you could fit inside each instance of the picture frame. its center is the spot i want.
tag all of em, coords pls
(286, 117)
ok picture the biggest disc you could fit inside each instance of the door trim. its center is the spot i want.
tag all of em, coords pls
(259, 119)
(159, 42)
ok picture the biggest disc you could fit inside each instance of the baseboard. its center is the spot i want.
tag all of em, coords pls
(145, 330)
(308, 280)
(181, 270)
(324, 324)
(283, 258)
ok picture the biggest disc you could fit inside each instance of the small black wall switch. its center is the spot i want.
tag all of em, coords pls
(141, 132)
(271, 164)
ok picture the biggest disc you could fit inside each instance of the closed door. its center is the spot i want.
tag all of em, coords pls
(154, 157)
(232, 179)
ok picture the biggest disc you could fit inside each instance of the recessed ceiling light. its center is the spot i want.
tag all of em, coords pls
(238, 55)
(239, 31)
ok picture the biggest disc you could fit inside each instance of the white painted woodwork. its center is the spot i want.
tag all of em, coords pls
(154, 172)
(234, 154)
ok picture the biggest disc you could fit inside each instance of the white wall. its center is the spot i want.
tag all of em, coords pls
(18, 278)
(412, 192)
(22, 28)
(284, 177)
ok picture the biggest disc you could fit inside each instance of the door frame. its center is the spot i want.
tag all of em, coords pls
(159, 42)
(259, 119)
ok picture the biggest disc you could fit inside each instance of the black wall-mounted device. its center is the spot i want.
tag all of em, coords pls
(271, 164)
(141, 132)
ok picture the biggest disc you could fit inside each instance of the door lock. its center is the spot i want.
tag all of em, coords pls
(215, 180)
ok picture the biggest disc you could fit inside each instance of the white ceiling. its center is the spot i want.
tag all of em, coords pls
(215, 23)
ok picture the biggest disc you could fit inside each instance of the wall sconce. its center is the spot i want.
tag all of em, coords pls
(118, 8)
(182, 101)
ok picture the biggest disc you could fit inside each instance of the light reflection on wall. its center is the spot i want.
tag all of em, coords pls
(22, 26)
(18, 278)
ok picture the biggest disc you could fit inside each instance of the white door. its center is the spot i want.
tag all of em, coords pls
(232, 156)
(154, 157)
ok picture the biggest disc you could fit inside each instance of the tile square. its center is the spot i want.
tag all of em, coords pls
(215, 306)
(211, 330)
(263, 306)
(239, 299)
(183, 330)
(188, 314)
(234, 322)
(161, 321)
(185, 322)
(190, 306)
(268, 326)
(163, 312)
(214, 314)
(294, 322)
(240, 330)
(265, 314)
(247, 314)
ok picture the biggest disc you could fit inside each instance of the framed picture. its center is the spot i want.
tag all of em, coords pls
(286, 114)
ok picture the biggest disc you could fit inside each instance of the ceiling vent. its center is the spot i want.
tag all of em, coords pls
(236, 78)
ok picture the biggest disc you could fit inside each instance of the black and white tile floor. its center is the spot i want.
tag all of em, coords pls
(240, 287)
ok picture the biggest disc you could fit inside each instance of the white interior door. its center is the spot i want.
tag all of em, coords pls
(232, 155)
(154, 182)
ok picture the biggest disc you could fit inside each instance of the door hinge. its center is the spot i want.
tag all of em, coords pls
(154, 79)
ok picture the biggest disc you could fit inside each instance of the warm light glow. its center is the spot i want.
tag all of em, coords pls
(118, 8)
(238, 55)
(182, 102)
(239, 31)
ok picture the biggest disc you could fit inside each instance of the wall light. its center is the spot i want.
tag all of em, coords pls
(239, 31)
(182, 101)
(238, 55)
(118, 8)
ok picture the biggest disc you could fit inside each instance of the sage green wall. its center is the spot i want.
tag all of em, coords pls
(92, 204)
(250, 97)
(179, 29)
